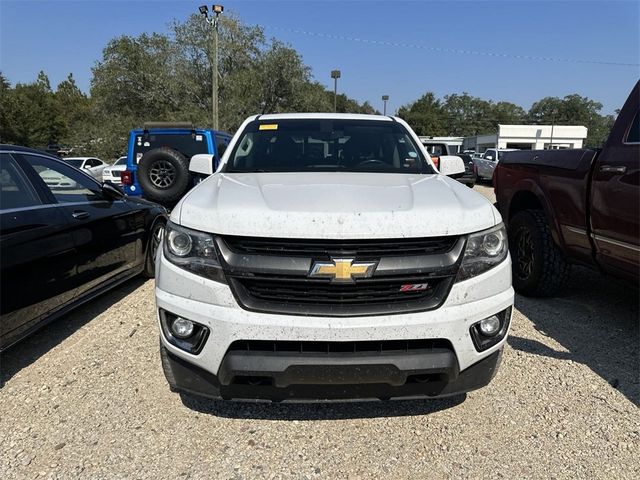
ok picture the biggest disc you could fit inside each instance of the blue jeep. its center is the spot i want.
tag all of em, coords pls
(158, 158)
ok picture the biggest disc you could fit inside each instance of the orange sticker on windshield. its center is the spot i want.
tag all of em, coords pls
(268, 126)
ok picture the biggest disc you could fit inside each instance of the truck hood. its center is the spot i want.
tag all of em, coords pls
(334, 206)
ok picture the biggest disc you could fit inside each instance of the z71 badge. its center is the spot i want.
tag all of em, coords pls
(414, 287)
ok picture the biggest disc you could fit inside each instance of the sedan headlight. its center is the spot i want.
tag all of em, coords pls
(192, 250)
(484, 251)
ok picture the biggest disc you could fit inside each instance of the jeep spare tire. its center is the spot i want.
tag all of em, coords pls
(163, 174)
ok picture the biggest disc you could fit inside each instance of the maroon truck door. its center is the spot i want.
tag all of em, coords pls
(615, 195)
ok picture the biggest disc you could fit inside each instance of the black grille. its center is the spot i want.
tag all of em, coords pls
(372, 296)
(317, 291)
(406, 346)
(273, 275)
(324, 248)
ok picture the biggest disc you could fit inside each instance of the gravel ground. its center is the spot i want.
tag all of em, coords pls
(86, 397)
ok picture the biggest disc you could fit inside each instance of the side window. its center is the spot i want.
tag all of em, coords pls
(634, 132)
(15, 189)
(66, 183)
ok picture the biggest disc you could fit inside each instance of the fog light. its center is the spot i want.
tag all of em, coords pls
(181, 327)
(490, 326)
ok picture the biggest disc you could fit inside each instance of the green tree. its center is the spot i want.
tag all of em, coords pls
(169, 77)
(507, 113)
(467, 115)
(239, 50)
(425, 115)
(75, 114)
(31, 116)
(8, 132)
(573, 110)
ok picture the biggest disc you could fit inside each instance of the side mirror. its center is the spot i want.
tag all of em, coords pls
(112, 191)
(86, 166)
(451, 165)
(489, 157)
(202, 164)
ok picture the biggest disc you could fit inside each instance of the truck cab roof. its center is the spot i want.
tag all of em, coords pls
(329, 116)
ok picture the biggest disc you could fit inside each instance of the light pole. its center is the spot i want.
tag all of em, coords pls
(335, 74)
(216, 10)
(553, 121)
(384, 99)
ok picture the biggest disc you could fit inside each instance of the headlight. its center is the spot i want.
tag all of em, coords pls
(484, 250)
(192, 250)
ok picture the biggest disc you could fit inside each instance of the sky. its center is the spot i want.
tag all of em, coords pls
(515, 51)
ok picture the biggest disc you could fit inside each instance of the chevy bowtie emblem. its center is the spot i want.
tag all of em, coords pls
(343, 269)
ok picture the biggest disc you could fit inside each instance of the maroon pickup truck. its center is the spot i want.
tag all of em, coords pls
(574, 206)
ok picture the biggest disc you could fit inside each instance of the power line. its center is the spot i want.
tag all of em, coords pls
(451, 50)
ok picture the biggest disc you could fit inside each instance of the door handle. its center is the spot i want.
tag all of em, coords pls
(613, 169)
(80, 214)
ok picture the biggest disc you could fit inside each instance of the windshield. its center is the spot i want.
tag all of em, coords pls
(121, 161)
(326, 145)
(74, 162)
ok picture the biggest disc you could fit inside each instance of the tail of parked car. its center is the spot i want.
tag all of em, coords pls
(158, 159)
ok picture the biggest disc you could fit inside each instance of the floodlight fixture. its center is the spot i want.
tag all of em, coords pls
(217, 9)
(384, 100)
(204, 10)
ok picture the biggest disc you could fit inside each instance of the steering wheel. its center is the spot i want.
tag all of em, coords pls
(371, 161)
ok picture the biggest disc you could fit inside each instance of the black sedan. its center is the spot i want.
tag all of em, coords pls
(64, 239)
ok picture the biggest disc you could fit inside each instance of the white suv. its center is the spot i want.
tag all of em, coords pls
(327, 258)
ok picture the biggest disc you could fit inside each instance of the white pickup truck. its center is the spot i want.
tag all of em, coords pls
(327, 258)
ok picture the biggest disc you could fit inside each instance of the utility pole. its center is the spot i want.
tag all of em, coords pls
(384, 99)
(553, 121)
(335, 74)
(213, 21)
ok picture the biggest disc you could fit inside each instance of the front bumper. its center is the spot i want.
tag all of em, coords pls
(211, 372)
(185, 377)
(114, 180)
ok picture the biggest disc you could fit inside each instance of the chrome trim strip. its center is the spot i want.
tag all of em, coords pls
(635, 248)
(61, 204)
(579, 231)
(32, 207)
(239, 263)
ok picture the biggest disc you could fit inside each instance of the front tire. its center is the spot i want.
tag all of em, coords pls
(539, 267)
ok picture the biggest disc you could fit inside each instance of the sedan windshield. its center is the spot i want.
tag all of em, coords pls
(121, 161)
(326, 145)
(74, 162)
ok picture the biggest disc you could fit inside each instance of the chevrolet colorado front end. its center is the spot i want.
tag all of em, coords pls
(328, 259)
